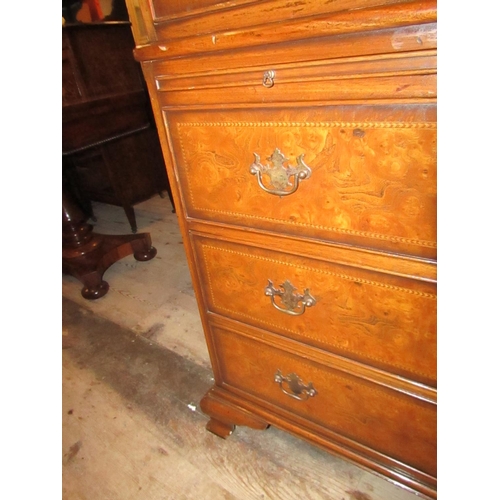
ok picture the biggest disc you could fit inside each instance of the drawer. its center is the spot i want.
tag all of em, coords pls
(359, 175)
(394, 78)
(370, 317)
(290, 385)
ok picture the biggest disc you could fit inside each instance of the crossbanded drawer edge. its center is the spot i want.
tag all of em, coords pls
(350, 367)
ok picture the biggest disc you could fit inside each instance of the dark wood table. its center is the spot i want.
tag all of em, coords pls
(86, 255)
(110, 145)
(110, 149)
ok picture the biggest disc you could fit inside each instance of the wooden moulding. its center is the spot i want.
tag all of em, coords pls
(200, 16)
(216, 39)
(369, 259)
(225, 416)
(224, 405)
(408, 42)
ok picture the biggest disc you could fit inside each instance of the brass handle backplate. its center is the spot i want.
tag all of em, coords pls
(295, 304)
(278, 175)
(296, 388)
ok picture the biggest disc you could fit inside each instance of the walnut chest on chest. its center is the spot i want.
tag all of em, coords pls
(300, 140)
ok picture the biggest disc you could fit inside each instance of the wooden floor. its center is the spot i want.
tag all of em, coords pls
(135, 367)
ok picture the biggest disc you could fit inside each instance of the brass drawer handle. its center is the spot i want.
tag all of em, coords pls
(279, 175)
(295, 305)
(268, 78)
(298, 390)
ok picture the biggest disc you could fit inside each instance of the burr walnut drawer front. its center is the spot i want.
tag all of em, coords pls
(384, 420)
(357, 175)
(383, 321)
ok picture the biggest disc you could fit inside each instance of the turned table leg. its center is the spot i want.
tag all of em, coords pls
(87, 255)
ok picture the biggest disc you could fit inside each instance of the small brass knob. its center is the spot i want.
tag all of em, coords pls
(268, 78)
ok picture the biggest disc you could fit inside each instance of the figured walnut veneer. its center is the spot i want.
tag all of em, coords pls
(373, 183)
(345, 404)
(385, 321)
